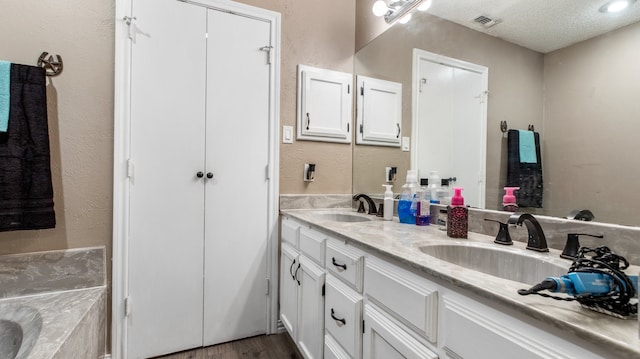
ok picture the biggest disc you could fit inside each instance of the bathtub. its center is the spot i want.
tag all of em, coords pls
(53, 304)
(20, 327)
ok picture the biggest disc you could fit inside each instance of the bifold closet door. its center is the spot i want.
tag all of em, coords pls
(165, 258)
(235, 298)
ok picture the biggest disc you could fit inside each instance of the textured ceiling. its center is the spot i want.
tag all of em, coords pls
(540, 25)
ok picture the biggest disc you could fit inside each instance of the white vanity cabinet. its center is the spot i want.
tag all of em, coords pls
(301, 286)
(376, 307)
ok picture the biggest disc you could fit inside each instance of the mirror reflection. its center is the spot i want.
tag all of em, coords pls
(580, 96)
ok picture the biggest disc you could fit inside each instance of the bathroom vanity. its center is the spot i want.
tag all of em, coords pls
(354, 286)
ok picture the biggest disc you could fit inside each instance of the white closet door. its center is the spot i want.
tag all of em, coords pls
(236, 197)
(450, 128)
(166, 197)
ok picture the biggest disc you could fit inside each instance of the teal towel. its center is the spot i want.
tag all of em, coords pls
(527, 147)
(5, 91)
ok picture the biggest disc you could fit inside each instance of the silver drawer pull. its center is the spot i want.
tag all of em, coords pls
(341, 320)
(343, 266)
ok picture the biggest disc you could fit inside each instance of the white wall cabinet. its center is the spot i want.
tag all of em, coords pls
(379, 115)
(325, 105)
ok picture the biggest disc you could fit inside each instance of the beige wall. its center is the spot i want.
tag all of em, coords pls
(515, 92)
(80, 106)
(318, 33)
(368, 26)
(314, 32)
(591, 127)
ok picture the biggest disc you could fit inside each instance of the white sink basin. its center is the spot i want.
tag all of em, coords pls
(341, 217)
(508, 263)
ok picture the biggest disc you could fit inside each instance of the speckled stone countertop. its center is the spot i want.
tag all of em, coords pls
(402, 243)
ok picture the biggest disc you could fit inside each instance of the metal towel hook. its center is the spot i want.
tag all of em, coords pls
(52, 67)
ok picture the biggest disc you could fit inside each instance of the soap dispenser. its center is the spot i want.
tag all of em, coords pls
(406, 204)
(509, 199)
(457, 216)
(388, 203)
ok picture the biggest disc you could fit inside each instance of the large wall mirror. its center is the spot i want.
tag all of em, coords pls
(579, 87)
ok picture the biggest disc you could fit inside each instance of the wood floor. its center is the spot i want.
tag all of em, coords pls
(278, 346)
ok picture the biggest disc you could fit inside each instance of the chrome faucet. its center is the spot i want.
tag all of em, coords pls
(370, 202)
(537, 241)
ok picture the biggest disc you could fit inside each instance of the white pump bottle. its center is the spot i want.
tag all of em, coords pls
(388, 203)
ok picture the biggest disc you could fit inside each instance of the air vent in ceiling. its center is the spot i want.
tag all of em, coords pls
(486, 21)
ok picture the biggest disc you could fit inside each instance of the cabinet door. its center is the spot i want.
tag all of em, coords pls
(383, 339)
(289, 266)
(379, 116)
(310, 309)
(324, 105)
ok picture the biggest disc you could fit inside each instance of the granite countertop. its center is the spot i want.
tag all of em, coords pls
(402, 242)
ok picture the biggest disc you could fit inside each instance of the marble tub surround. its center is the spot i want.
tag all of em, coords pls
(607, 336)
(304, 201)
(72, 323)
(40, 272)
(64, 293)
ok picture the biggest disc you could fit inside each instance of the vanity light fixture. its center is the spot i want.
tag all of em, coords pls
(616, 6)
(399, 9)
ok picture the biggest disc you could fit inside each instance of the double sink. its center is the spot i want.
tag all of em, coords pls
(506, 262)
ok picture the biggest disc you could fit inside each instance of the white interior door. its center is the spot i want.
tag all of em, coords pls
(237, 155)
(166, 197)
(450, 128)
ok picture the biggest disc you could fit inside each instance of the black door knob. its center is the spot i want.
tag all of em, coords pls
(209, 175)
(199, 174)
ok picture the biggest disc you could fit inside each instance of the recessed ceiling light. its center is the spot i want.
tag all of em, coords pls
(616, 6)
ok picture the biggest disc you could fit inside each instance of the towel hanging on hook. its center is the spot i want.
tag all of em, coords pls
(52, 67)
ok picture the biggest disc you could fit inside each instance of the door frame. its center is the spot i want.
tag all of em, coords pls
(419, 55)
(122, 140)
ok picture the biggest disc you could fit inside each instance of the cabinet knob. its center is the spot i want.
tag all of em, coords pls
(209, 175)
(199, 174)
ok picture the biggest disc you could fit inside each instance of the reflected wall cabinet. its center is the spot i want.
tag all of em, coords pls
(379, 114)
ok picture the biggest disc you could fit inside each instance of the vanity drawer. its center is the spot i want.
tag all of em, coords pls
(406, 296)
(333, 350)
(312, 244)
(289, 231)
(345, 262)
(343, 316)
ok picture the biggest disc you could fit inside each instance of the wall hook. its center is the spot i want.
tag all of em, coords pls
(503, 126)
(52, 67)
(531, 128)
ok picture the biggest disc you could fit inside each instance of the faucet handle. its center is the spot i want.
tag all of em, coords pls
(503, 236)
(572, 246)
(361, 207)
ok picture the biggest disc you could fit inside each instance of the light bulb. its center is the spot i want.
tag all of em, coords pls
(405, 19)
(425, 5)
(380, 8)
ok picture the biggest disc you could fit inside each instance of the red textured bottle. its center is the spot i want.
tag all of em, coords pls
(457, 216)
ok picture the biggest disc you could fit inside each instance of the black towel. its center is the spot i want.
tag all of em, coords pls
(527, 176)
(26, 193)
